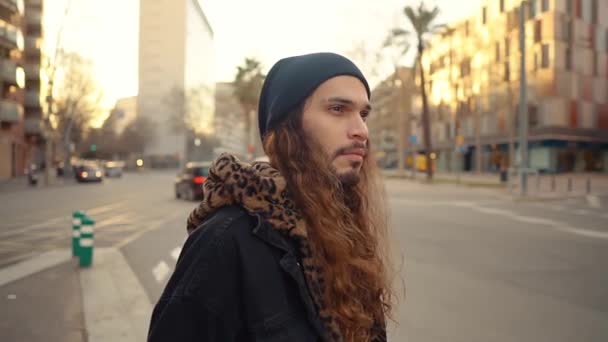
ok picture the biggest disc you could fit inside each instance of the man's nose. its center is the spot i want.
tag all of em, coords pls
(358, 130)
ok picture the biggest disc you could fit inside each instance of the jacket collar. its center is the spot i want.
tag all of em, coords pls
(291, 265)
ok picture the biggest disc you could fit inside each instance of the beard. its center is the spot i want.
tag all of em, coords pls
(351, 177)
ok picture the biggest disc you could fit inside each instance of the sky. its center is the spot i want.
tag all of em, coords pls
(107, 32)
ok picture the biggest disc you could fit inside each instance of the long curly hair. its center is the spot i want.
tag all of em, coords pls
(347, 227)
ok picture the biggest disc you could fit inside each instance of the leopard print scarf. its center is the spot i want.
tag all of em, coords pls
(261, 190)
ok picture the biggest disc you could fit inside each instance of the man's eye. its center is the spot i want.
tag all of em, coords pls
(337, 108)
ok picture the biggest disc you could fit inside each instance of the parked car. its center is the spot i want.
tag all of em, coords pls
(88, 173)
(113, 168)
(189, 182)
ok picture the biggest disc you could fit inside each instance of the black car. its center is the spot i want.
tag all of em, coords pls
(189, 182)
(88, 173)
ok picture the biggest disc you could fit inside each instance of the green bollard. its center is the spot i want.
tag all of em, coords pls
(77, 217)
(86, 242)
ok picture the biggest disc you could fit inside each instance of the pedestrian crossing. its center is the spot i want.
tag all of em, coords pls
(162, 269)
(115, 225)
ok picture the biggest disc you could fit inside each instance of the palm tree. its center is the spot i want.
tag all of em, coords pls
(422, 20)
(247, 87)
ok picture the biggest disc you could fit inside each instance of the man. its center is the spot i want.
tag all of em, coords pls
(295, 249)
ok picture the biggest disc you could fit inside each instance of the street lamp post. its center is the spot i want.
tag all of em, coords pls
(523, 112)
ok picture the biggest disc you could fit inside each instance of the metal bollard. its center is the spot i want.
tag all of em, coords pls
(569, 184)
(588, 185)
(86, 242)
(77, 217)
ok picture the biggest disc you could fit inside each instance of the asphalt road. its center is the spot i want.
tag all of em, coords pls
(476, 265)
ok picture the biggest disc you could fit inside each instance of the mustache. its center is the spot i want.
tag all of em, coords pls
(355, 145)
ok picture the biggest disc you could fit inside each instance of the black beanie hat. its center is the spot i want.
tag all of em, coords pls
(291, 80)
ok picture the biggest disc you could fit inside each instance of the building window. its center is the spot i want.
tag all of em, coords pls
(568, 56)
(595, 66)
(507, 47)
(537, 30)
(497, 51)
(535, 61)
(569, 29)
(507, 75)
(545, 5)
(594, 11)
(531, 8)
(502, 6)
(544, 59)
(569, 7)
(484, 14)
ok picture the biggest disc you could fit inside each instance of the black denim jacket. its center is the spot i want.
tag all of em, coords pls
(237, 279)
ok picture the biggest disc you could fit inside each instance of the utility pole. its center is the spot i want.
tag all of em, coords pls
(523, 102)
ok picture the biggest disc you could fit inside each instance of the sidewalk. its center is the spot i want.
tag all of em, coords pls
(49, 298)
(539, 187)
(21, 184)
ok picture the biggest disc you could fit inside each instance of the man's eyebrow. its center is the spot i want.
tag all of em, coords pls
(347, 101)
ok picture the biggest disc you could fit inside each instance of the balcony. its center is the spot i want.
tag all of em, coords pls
(8, 72)
(32, 126)
(33, 17)
(34, 3)
(10, 36)
(32, 46)
(13, 6)
(32, 99)
(32, 72)
(10, 111)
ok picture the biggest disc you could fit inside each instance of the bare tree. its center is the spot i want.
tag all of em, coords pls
(77, 101)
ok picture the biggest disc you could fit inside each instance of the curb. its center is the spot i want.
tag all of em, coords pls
(116, 307)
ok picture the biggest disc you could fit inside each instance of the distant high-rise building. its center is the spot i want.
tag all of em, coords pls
(175, 52)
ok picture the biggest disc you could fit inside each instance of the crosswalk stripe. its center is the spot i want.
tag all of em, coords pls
(160, 271)
(175, 252)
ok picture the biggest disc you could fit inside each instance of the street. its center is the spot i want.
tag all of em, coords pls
(477, 265)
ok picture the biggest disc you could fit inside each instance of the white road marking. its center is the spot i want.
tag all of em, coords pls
(543, 221)
(175, 252)
(160, 271)
(605, 216)
(12, 296)
(581, 212)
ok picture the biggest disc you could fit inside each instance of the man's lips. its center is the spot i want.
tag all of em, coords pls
(356, 151)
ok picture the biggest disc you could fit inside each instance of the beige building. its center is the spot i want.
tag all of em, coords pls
(390, 123)
(13, 147)
(474, 87)
(175, 52)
